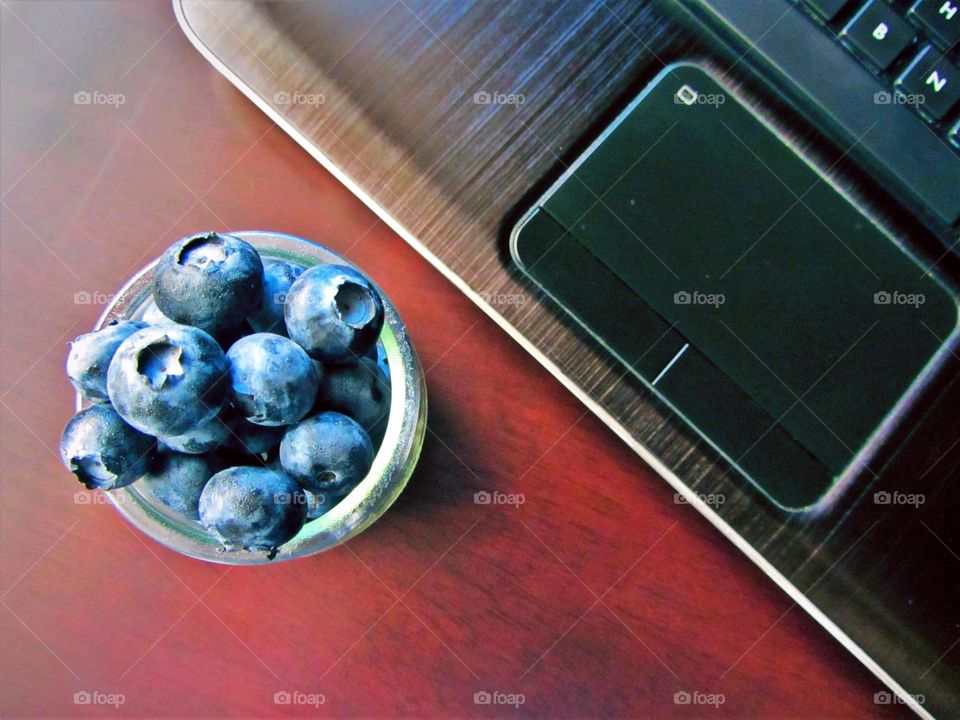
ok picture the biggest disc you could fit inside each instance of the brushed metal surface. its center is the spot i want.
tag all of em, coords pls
(391, 96)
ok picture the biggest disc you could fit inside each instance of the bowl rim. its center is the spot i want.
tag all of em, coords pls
(393, 463)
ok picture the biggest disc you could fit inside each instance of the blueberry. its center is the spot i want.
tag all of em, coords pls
(210, 281)
(203, 438)
(334, 313)
(90, 356)
(252, 508)
(272, 380)
(102, 450)
(320, 503)
(151, 314)
(249, 438)
(382, 361)
(278, 276)
(328, 452)
(317, 503)
(274, 463)
(227, 338)
(168, 380)
(359, 390)
(177, 480)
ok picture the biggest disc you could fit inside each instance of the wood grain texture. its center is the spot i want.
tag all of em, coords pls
(398, 83)
(440, 599)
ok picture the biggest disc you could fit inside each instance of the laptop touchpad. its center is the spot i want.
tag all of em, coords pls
(732, 277)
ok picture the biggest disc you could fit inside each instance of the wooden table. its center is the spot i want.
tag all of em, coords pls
(598, 595)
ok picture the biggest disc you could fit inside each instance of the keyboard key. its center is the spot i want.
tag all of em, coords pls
(955, 134)
(891, 141)
(878, 33)
(827, 9)
(933, 78)
(939, 18)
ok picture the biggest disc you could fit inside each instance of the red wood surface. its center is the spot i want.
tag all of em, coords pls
(598, 596)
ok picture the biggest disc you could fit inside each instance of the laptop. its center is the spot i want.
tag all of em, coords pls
(729, 227)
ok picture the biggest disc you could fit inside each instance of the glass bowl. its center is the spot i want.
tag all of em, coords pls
(392, 466)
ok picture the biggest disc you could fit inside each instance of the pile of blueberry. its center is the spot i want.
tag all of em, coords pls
(245, 400)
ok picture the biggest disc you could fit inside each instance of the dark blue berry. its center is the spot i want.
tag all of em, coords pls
(204, 438)
(278, 276)
(210, 281)
(272, 380)
(253, 508)
(168, 380)
(102, 450)
(90, 357)
(382, 361)
(320, 503)
(359, 390)
(328, 452)
(248, 438)
(334, 312)
(151, 315)
(177, 480)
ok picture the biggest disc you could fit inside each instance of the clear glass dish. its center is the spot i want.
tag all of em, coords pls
(392, 466)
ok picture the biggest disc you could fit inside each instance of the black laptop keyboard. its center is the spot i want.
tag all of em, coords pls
(912, 46)
(880, 78)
